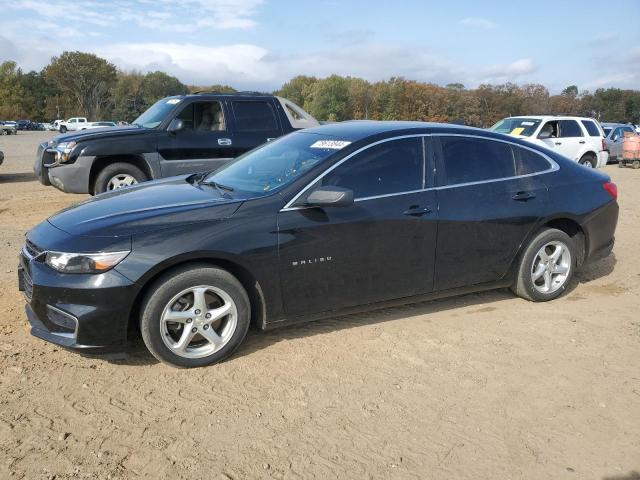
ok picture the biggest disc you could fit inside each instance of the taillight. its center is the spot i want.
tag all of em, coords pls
(604, 145)
(611, 189)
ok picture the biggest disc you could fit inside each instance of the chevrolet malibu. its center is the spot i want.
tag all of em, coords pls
(325, 221)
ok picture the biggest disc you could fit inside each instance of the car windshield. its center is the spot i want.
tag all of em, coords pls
(276, 164)
(607, 131)
(516, 126)
(157, 112)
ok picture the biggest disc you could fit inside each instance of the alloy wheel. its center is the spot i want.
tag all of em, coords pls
(198, 321)
(551, 267)
(121, 180)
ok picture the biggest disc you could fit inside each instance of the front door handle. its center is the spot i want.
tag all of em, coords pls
(224, 141)
(558, 143)
(416, 211)
(582, 142)
(523, 196)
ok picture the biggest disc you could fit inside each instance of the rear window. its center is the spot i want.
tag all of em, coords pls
(255, 116)
(570, 128)
(528, 161)
(592, 128)
(475, 159)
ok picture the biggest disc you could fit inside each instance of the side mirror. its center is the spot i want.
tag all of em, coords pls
(615, 138)
(330, 197)
(175, 126)
(544, 134)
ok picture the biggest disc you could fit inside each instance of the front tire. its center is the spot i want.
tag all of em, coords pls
(195, 316)
(546, 266)
(589, 160)
(63, 129)
(118, 175)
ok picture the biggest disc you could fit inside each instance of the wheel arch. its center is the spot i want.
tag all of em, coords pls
(240, 272)
(102, 161)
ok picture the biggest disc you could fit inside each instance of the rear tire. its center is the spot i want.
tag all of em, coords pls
(118, 175)
(193, 339)
(636, 164)
(620, 164)
(589, 160)
(538, 269)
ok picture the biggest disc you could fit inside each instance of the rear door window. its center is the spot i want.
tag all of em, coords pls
(468, 159)
(390, 167)
(570, 129)
(591, 128)
(255, 116)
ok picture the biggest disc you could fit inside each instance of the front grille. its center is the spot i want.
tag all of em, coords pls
(32, 249)
(26, 283)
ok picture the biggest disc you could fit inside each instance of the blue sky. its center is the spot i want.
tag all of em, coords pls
(259, 44)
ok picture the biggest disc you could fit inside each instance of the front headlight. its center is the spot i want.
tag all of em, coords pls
(84, 262)
(63, 150)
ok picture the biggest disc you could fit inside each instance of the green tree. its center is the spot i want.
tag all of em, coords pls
(328, 99)
(297, 89)
(86, 79)
(11, 91)
(157, 85)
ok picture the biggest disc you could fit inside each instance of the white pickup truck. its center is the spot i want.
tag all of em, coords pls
(73, 124)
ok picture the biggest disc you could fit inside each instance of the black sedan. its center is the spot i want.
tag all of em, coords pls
(321, 222)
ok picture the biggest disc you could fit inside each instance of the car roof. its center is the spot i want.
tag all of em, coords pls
(354, 130)
(614, 124)
(553, 117)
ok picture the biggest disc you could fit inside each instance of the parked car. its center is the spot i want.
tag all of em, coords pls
(614, 137)
(11, 123)
(73, 124)
(23, 125)
(579, 138)
(337, 218)
(7, 128)
(101, 124)
(182, 134)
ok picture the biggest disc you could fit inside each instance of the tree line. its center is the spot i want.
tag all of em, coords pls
(83, 84)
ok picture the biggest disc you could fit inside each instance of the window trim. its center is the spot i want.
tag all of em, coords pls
(553, 167)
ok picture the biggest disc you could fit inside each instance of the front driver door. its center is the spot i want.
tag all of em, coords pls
(382, 247)
(205, 143)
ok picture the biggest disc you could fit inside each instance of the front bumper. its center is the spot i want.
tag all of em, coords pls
(84, 312)
(72, 177)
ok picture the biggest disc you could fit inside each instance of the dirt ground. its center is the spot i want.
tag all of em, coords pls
(485, 386)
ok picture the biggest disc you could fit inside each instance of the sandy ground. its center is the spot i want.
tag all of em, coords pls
(476, 387)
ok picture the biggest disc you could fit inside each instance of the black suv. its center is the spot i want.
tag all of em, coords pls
(177, 135)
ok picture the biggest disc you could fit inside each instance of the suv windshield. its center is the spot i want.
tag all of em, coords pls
(516, 126)
(157, 112)
(275, 164)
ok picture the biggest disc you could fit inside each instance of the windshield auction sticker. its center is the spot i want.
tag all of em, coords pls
(331, 144)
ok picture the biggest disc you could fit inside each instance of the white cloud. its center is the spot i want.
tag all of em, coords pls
(478, 23)
(509, 72)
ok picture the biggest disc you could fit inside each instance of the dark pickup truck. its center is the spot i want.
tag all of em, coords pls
(177, 135)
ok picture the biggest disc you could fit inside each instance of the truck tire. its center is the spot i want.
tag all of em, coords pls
(118, 175)
(63, 129)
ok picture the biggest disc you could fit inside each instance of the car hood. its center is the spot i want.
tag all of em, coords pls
(97, 133)
(149, 206)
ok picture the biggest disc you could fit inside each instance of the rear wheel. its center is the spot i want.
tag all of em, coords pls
(116, 176)
(636, 164)
(195, 316)
(620, 163)
(589, 160)
(546, 266)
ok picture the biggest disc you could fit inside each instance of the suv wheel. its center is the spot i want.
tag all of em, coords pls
(589, 160)
(195, 316)
(116, 176)
(546, 266)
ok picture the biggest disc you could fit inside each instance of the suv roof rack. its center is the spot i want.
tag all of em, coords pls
(210, 92)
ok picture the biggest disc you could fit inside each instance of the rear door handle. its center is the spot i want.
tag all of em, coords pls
(558, 143)
(271, 139)
(582, 142)
(417, 211)
(523, 196)
(224, 141)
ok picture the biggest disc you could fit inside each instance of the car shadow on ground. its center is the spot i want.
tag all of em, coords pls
(258, 340)
(16, 177)
(633, 475)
